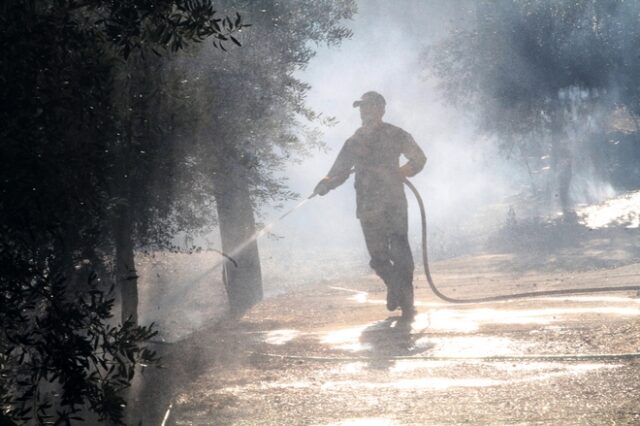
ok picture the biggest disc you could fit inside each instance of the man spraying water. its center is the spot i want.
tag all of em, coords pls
(373, 153)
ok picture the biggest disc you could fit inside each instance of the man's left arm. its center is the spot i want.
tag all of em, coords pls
(414, 154)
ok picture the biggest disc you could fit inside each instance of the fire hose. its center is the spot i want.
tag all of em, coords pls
(444, 297)
(498, 298)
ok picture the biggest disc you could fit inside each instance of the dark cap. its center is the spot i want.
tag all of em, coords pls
(372, 97)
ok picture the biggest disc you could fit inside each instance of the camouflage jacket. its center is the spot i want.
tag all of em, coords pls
(374, 155)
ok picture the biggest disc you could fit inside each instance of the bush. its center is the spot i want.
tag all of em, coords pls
(60, 359)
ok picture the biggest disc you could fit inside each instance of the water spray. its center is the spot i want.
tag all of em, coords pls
(444, 297)
(236, 251)
(425, 260)
(267, 228)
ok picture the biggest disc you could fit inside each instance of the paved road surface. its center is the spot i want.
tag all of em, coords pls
(332, 355)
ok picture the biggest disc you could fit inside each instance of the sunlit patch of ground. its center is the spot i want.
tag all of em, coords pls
(358, 296)
(431, 382)
(280, 337)
(467, 321)
(346, 339)
(623, 210)
(473, 319)
(365, 421)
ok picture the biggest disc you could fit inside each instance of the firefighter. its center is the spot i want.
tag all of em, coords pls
(373, 153)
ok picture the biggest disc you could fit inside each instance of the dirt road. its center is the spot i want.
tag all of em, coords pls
(332, 355)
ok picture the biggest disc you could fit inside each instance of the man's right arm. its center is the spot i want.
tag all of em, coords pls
(339, 172)
(413, 153)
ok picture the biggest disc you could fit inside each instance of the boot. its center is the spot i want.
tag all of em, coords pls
(392, 298)
(406, 303)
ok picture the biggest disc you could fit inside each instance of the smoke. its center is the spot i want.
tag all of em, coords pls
(469, 185)
(585, 117)
(463, 175)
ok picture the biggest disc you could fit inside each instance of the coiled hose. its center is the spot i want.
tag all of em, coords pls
(439, 294)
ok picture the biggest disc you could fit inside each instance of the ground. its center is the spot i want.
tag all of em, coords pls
(323, 350)
(331, 354)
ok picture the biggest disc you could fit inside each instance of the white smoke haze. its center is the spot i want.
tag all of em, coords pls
(183, 178)
(463, 176)
(468, 185)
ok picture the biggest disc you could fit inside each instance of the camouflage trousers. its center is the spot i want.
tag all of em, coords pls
(385, 234)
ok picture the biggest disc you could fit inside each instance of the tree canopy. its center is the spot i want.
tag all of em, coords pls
(63, 132)
(122, 125)
(543, 76)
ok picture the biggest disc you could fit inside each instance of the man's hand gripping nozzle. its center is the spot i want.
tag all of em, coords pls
(322, 187)
(327, 183)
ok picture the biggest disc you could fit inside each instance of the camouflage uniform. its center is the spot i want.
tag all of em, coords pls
(374, 154)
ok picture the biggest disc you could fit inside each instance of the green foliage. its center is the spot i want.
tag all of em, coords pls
(543, 78)
(61, 119)
(101, 117)
(250, 105)
(67, 147)
(511, 64)
(63, 342)
(137, 25)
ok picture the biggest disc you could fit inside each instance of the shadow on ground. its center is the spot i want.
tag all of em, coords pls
(390, 338)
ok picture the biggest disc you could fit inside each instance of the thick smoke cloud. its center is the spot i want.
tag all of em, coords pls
(463, 175)
(471, 181)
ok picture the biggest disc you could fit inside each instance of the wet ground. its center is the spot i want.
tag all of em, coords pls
(333, 355)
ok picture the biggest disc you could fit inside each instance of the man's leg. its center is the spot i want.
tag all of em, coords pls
(403, 266)
(376, 236)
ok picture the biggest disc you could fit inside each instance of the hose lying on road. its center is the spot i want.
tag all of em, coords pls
(439, 294)
(488, 358)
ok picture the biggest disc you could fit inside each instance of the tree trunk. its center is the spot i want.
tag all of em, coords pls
(563, 167)
(126, 276)
(237, 227)
(562, 162)
(125, 268)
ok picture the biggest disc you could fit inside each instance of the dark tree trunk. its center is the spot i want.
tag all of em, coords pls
(237, 227)
(127, 279)
(563, 165)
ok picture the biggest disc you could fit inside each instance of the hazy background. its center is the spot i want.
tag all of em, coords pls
(468, 186)
(463, 175)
